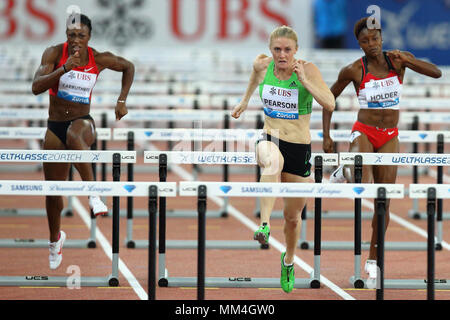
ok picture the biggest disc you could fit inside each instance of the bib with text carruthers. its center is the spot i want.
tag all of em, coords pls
(76, 86)
(384, 93)
(279, 102)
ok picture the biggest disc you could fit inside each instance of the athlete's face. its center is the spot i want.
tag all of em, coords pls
(371, 42)
(283, 51)
(78, 39)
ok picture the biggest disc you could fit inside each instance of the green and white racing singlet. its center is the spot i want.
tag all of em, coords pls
(284, 99)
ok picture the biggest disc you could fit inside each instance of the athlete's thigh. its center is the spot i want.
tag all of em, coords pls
(386, 174)
(81, 128)
(362, 144)
(54, 170)
(268, 155)
(293, 206)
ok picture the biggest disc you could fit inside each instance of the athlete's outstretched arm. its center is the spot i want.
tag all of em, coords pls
(407, 59)
(255, 78)
(46, 76)
(107, 60)
(344, 78)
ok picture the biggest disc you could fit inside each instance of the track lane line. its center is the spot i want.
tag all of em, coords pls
(275, 243)
(106, 246)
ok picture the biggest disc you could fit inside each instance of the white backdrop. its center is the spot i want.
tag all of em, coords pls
(157, 23)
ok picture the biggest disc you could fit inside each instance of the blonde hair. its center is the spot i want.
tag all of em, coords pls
(283, 32)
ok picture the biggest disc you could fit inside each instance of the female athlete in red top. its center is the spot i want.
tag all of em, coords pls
(377, 78)
(69, 71)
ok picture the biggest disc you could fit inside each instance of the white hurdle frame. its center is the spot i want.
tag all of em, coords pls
(430, 159)
(73, 156)
(81, 188)
(420, 191)
(256, 189)
(38, 133)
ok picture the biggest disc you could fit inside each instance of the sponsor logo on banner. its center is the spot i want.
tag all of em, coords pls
(26, 187)
(379, 158)
(128, 157)
(418, 191)
(167, 189)
(95, 157)
(225, 189)
(393, 191)
(129, 187)
(152, 156)
(40, 156)
(329, 160)
(81, 188)
(421, 160)
(148, 133)
(256, 190)
(189, 189)
(358, 190)
(36, 278)
(423, 135)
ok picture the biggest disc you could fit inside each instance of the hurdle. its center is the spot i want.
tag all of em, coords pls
(409, 136)
(432, 193)
(358, 159)
(205, 158)
(256, 189)
(115, 189)
(73, 156)
(38, 133)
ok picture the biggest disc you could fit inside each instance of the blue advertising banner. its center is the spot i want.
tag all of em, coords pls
(420, 27)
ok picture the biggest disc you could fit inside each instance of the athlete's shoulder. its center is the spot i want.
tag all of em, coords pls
(53, 53)
(261, 62)
(351, 71)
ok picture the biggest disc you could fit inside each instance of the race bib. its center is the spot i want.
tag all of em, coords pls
(279, 102)
(76, 86)
(383, 93)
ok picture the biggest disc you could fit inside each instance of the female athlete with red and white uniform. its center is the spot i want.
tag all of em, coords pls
(378, 79)
(69, 71)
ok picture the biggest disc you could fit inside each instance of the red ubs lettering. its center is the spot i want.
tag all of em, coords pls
(8, 17)
(237, 11)
(284, 93)
(387, 83)
(83, 76)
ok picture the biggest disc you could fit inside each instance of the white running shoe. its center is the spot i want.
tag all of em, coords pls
(371, 269)
(338, 175)
(97, 206)
(55, 249)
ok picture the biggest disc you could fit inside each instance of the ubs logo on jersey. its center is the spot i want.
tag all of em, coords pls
(280, 92)
(122, 25)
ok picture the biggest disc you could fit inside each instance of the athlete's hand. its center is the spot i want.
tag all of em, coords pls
(121, 110)
(328, 145)
(73, 61)
(237, 110)
(299, 69)
(398, 56)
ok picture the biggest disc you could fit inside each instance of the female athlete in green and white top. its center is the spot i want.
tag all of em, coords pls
(286, 86)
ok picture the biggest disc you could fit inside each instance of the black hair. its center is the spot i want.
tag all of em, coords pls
(362, 24)
(83, 20)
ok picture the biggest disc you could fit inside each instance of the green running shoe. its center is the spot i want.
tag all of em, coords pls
(287, 276)
(262, 234)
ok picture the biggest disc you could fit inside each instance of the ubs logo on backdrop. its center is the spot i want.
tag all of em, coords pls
(122, 22)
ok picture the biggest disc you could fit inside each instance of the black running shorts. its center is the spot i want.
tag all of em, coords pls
(296, 155)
